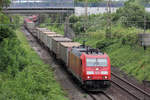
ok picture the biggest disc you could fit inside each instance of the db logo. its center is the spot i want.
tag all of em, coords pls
(97, 72)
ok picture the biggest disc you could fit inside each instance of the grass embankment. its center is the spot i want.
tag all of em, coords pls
(35, 82)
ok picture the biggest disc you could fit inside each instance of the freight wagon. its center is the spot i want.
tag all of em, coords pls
(41, 33)
(45, 34)
(49, 40)
(55, 44)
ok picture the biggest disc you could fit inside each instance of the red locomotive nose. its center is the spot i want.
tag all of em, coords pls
(97, 67)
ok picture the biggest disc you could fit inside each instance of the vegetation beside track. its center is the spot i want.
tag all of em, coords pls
(52, 24)
(54, 27)
(23, 75)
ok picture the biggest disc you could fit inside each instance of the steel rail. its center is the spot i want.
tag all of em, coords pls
(107, 95)
(126, 91)
(91, 95)
(144, 92)
(94, 98)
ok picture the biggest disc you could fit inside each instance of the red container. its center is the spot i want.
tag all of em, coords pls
(75, 66)
(65, 47)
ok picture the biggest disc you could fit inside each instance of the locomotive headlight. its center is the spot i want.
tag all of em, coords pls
(105, 77)
(104, 72)
(89, 72)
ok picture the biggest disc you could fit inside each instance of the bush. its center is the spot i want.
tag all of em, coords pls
(6, 32)
(4, 20)
(73, 19)
(102, 44)
(13, 57)
(33, 83)
(78, 28)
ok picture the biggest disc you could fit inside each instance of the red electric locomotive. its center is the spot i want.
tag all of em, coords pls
(91, 67)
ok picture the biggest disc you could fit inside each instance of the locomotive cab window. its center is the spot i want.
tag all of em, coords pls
(96, 62)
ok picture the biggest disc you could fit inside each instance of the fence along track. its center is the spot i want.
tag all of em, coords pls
(136, 89)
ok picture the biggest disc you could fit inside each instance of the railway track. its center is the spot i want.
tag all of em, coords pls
(131, 89)
(92, 96)
(109, 98)
(101, 95)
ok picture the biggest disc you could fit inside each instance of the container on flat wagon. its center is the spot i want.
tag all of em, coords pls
(45, 36)
(49, 40)
(41, 34)
(30, 24)
(65, 47)
(34, 32)
(38, 32)
(55, 44)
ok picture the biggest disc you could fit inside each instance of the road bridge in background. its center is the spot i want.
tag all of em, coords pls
(40, 6)
(60, 6)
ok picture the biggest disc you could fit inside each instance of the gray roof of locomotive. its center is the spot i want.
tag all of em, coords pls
(85, 49)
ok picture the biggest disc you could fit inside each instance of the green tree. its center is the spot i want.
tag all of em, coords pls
(132, 14)
(142, 2)
(4, 3)
(4, 19)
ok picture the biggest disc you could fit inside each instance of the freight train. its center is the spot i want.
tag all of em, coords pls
(89, 66)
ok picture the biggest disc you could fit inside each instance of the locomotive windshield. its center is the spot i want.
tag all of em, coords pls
(97, 62)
